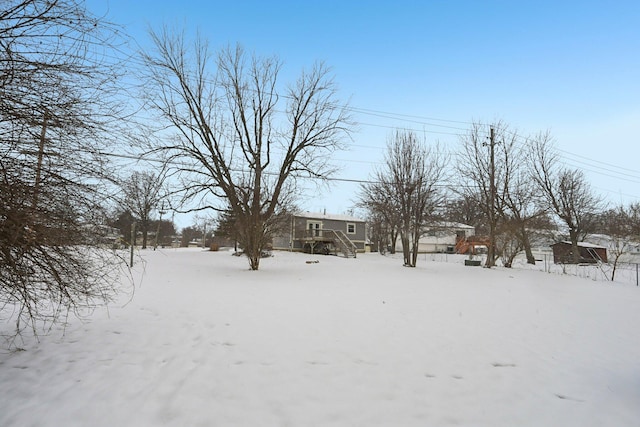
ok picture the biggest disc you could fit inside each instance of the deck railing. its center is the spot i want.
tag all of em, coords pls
(337, 237)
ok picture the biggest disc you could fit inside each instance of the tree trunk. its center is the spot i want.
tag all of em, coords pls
(414, 254)
(144, 226)
(526, 244)
(573, 236)
(253, 247)
(615, 266)
(394, 240)
(509, 261)
(252, 238)
(254, 260)
(530, 258)
(406, 249)
(415, 246)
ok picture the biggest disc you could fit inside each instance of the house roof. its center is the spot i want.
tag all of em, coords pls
(580, 244)
(450, 225)
(321, 215)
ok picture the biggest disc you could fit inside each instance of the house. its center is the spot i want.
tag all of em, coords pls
(323, 233)
(589, 253)
(441, 237)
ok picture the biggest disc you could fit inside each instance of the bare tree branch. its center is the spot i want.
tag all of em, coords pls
(58, 113)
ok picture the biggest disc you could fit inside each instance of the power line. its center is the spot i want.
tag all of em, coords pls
(584, 163)
(428, 121)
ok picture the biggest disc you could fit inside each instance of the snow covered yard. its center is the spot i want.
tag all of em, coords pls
(341, 342)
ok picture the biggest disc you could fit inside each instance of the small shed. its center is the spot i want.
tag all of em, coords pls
(589, 253)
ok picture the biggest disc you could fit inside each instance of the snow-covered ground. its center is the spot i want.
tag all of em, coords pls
(342, 342)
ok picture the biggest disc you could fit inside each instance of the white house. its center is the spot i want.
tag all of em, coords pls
(441, 237)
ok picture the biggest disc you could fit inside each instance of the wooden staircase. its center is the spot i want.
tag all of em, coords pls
(342, 242)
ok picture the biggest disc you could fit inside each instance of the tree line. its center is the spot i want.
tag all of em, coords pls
(510, 187)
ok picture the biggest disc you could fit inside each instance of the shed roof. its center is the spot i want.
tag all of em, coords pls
(580, 244)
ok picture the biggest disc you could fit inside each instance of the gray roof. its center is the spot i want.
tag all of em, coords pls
(450, 225)
(321, 215)
(581, 244)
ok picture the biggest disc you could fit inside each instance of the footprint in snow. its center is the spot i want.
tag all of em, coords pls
(563, 397)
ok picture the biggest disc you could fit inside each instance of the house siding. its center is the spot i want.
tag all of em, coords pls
(299, 224)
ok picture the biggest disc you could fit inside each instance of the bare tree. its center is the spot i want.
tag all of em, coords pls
(384, 215)
(494, 163)
(566, 191)
(240, 137)
(618, 225)
(143, 192)
(465, 209)
(508, 242)
(227, 227)
(519, 202)
(379, 232)
(57, 112)
(634, 219)
(479, 172)
(408, 184)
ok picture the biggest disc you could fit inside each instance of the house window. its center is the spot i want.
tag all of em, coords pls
(351, 228)
(315, 228)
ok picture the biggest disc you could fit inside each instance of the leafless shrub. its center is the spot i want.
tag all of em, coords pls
(58, 88)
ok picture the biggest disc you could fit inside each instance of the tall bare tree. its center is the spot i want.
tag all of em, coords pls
(479, 171)
(408, 184)
(240, 137)
(493, 171)
(384, 215)
(58, 84)
(566, 191)
(143, 192)
(519, 204)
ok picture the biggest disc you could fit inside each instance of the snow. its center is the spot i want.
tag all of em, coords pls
(342, 342)
(323, 215)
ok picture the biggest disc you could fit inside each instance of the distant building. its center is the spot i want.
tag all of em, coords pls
(323, 233)
(442, 237)
(589, 253)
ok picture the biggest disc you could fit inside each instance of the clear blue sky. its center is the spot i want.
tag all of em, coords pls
(570, 67)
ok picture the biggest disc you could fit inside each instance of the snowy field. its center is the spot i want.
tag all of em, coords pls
(341, 342)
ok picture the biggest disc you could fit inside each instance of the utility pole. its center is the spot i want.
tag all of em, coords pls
(133, 241)
(492, 211)
(162, 212)
(204, 235)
